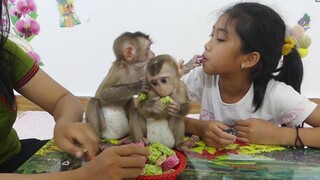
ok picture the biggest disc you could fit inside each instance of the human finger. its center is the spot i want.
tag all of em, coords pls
(132, 161)
(131, 173)
(132, 149)
(241, 139)
(241, 122)
(87, 142)
(71, 148)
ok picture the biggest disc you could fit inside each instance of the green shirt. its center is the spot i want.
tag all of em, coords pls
(22, 69)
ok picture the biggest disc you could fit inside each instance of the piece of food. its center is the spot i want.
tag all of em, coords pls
(161, 158)
(165, 100)
(150, 169)
(142, 96)
(170, 163)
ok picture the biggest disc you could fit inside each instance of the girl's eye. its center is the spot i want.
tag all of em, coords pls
(220, 40)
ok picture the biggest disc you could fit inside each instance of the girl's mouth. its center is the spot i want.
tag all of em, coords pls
(201, 59)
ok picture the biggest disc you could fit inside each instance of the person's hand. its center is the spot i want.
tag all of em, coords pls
(213, 134)
(77, 139)
(257, 131)
(117, 162)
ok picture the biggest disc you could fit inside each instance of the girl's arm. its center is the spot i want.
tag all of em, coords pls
(211, 132)
(259, 131)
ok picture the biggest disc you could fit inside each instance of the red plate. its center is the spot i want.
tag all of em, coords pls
(180, 167)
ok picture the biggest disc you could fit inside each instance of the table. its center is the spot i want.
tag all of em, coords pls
(237, 161)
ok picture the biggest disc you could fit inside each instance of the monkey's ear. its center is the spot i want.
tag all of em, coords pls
(129, 52)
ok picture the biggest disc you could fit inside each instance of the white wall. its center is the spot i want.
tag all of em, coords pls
(79, 57)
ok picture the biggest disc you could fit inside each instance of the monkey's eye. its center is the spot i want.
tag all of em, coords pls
(163, 80)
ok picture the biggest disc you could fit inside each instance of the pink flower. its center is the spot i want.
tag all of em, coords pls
(15, 12)
(35, 56)
(27, 27)
(26, 6)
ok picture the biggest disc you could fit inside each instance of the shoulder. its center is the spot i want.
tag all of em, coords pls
(22, 67)
(278, 88)
(282, 95)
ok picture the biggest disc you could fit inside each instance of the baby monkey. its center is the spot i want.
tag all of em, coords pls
(159, 114)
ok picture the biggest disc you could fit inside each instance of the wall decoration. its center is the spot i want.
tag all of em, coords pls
(68, 17)
(23, 14)
(303, 39)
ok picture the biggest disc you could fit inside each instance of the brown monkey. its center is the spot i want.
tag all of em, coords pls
(107, 111)
(159, 117)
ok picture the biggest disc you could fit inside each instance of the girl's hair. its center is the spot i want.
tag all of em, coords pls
(6, 86)
(261, 29)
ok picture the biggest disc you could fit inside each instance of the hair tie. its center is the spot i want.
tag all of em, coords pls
(287, 47)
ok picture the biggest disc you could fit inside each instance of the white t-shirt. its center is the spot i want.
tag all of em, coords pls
(281, 104)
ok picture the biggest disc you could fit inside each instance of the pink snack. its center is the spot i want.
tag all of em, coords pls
(170, 163)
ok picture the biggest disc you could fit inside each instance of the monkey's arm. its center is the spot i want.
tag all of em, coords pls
(94, 115)
(121, 92)
(137, 126)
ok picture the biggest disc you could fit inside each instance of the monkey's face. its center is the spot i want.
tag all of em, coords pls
(146, 53)
(162, 83)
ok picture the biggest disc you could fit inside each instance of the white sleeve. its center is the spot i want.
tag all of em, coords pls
(194, 81)
(290, 107)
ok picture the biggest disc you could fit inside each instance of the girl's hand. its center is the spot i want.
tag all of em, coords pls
(213, 134)
(117, 162)
(76, 138)
(257, 131)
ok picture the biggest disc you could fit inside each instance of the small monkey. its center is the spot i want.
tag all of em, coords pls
(159, 118)
(107, 112)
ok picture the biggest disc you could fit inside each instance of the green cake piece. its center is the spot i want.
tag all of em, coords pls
(165, 100)
(150, 169)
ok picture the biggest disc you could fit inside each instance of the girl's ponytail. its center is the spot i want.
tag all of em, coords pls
(291, 71)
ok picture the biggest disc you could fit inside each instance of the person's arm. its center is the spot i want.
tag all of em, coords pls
(71, 135)
(309, 136)
(193, 126)
(259, 131)
(118, 162)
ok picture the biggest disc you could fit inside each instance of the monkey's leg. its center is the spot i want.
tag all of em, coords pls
(176, 125)
(137, 126)
(94, 115)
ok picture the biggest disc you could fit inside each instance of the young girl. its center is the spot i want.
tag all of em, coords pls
(240, 85)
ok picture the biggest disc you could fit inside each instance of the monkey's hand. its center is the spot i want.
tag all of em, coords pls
(153, 105)
(176, 109)
(145, 86)
(186, 68)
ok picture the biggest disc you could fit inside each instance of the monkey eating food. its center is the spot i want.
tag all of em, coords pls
(159, 114)
(107, 112)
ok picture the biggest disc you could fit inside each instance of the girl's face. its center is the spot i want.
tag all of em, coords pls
(222, 52)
